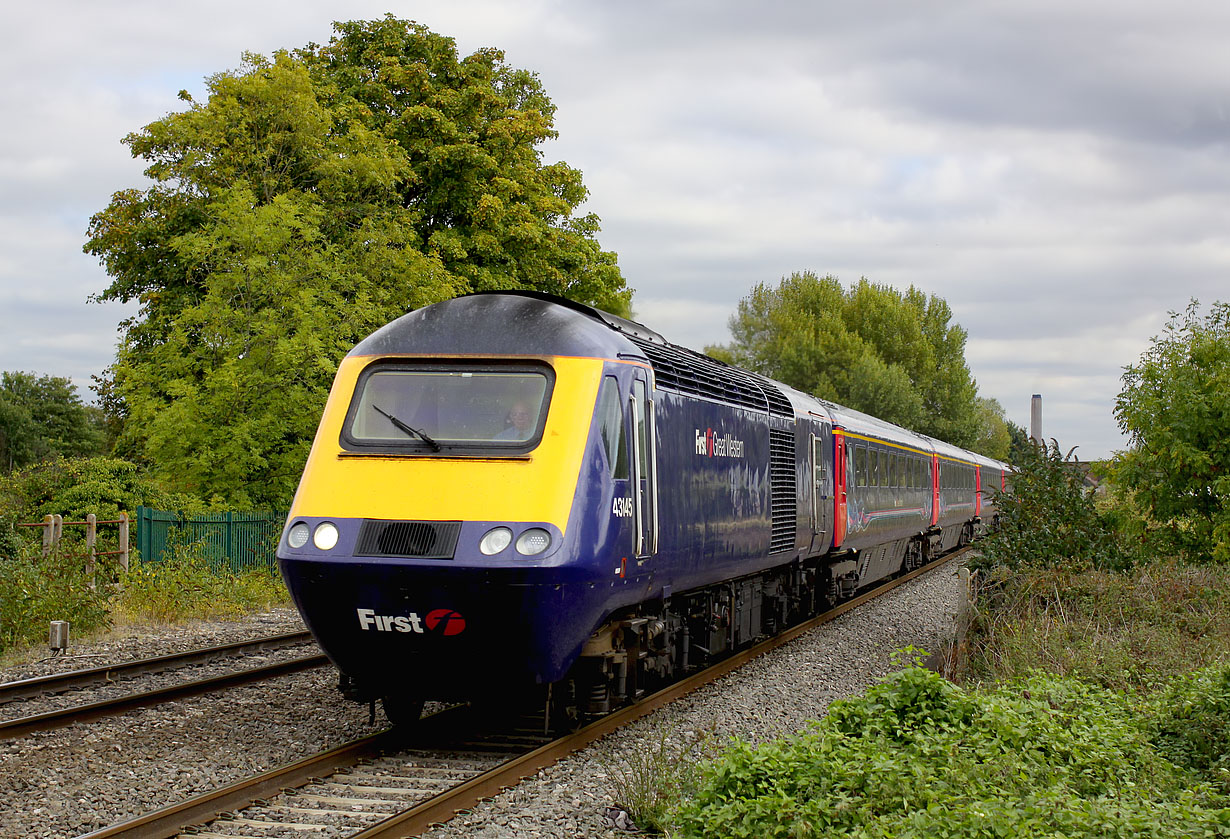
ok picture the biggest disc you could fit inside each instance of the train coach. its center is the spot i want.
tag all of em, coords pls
(514, 495)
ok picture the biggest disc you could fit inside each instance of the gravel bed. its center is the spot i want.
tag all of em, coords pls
(74, 780)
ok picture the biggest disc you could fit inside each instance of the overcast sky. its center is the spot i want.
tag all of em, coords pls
(1059, 172)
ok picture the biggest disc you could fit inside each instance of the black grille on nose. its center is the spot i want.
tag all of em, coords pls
(418, 539)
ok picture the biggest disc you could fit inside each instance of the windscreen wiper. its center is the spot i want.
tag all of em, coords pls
(407, 429)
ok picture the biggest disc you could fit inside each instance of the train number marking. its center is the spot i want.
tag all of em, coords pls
(622, 507)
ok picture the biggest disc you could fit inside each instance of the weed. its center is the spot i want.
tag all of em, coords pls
(650, 783)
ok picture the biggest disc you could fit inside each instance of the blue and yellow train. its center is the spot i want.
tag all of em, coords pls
(511, 493)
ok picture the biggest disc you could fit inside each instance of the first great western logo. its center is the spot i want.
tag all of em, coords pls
(711, 443)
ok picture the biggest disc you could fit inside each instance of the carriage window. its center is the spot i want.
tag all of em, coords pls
(860, 465)
(428, 407)
(611, 426)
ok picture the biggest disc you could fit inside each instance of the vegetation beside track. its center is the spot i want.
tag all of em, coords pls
(183, 586)
(1095, 700)
(1048, 755)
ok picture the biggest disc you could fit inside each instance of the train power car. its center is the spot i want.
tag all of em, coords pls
(512, 494)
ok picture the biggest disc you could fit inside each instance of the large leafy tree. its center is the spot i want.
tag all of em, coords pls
(313, 197)
(1175, 409)
(870, 347)
(42, 416)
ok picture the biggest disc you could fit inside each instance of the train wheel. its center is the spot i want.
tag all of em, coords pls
(402, 710)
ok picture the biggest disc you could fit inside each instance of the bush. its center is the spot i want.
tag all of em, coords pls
(918, 757)
(77, 487)
(1050, 519)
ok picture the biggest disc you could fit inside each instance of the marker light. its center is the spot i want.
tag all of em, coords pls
(325, 536)
(495, 541)
(533, 541)
(298, 535)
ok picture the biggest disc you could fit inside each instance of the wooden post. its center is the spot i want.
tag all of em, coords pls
(48, 534)
(91, 538)
(57, 528)
(124, 541)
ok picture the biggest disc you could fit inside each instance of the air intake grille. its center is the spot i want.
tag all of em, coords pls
(418, 539)
(782, 492)
(676, 368)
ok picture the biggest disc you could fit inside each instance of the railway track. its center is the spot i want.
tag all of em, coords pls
(394, 784)
(11, 692)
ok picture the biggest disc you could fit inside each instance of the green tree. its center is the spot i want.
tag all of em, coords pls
(1175, 409)
(1018, 442)
(994, 437)
(870, 347)
(41, 416)
(315, 196)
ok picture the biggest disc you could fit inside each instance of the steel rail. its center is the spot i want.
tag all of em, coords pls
(168, 822)
(60, 682)
(109, 707)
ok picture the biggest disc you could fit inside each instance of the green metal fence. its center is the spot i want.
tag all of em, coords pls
(237, 541)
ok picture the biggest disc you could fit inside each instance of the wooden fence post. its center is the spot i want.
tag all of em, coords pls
(48, 533)
(57, 527)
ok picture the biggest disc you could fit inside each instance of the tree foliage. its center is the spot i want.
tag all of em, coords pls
(41, 416)
(870, 347)
(313, 197)
(1175, 409)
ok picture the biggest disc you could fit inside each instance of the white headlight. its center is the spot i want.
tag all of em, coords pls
(495, 541)
(325, 536)
(298, 535)
(533, 541)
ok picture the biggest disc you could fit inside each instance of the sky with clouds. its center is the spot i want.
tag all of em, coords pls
(1058, 172)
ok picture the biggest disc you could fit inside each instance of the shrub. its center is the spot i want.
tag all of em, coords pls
(1049, 518)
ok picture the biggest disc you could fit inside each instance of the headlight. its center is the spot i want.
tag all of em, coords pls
(533, 541)
(298, 535)
(325, 536)
(495, 541)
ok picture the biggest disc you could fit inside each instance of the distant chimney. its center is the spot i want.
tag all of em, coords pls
(1035, 419)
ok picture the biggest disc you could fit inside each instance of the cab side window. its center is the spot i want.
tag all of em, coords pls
(611, 423)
